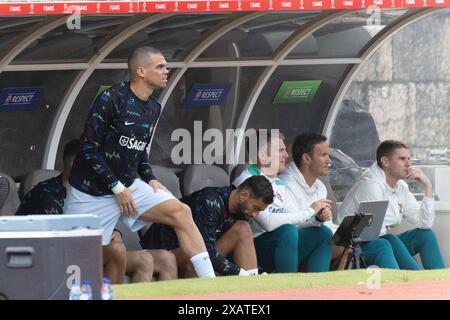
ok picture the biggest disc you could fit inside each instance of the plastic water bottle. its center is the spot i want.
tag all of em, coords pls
(86, 291)
(75, 291)
(107, 293)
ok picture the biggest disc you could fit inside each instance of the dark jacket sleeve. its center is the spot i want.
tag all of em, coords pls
(100, 116)
(26, 206)
(38, 201)
(207, 220)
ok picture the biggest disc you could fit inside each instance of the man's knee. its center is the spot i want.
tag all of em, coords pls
(380, 246)
(242, 229)
(324, 233)
(287, 235)
(115, 251)
(145, 261)
(425, 235)
(167, 260)
(181, 215)
(389, 237)
(383, 244)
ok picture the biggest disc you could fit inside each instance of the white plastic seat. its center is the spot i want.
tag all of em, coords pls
(199, 176)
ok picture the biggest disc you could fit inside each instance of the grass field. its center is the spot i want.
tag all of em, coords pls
(188, 287)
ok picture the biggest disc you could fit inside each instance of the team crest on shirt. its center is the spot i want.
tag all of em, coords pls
(400, 207)
(278, 196)
(132, 143)
(123, 141)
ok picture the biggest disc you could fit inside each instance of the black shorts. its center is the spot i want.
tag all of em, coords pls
(159, 236)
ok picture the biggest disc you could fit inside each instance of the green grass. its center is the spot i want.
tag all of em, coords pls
(187, 287)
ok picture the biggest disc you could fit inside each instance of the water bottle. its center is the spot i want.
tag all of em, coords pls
(86, 291)
(107, 293)
(75, 291)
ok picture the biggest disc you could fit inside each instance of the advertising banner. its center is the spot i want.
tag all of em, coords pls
(207, 94)
(20, 98)
(297, 91)
(38, 7)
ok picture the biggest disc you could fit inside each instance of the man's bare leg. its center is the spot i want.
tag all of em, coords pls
(178, 215)
(239, 240)
(164, 264)
(114, 260)
(184, 265)
(139, 266)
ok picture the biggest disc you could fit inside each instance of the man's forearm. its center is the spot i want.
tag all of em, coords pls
(428, 189)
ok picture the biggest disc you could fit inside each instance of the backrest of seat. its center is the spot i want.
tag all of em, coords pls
(4, 190)
(9, 199)
(168, 178)
(237, 170)
(198, 176)
(33, 178)
(332, 197)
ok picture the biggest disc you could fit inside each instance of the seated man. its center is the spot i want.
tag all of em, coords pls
(384, 181)
(48, 197)
(310, 154)
(219, 214)
(285, 235)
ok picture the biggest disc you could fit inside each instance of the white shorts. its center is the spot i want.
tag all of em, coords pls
(108, 211)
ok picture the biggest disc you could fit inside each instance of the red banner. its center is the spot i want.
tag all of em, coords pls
(193, 6)
(157, 6)
(137, 6)
(218, 6)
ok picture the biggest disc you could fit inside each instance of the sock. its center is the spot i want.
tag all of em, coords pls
(203, 266)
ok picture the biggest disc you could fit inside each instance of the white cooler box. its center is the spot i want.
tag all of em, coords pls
(40, 255)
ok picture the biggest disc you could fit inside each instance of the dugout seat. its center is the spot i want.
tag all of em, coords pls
(9, 198)
(198, 176)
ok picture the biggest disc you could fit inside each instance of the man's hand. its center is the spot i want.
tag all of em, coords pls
(157, 186)
(126, 202)
(417, 174)
(321, 204)
(324, 214)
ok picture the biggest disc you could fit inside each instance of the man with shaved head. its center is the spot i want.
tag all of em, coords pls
(112, 176)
